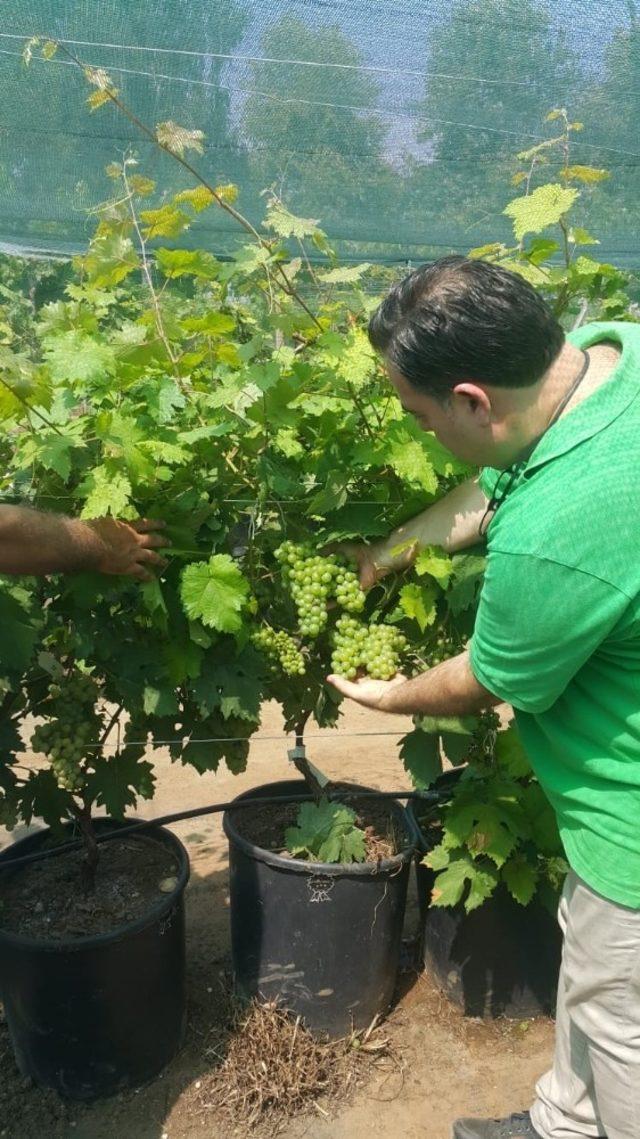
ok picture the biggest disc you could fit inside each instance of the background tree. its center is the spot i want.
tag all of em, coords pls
(306, 136)
(493, 71)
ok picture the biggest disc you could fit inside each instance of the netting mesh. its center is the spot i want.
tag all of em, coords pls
(395, 122)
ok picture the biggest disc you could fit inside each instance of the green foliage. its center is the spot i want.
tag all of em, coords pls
(193, 391)
(326, 832)
(579, 288)
(497, 826)
(203, 393)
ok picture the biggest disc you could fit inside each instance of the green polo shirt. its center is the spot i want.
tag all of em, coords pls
(557, 633)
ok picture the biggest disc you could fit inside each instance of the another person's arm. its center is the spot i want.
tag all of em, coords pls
(32, 542)
(453, 523)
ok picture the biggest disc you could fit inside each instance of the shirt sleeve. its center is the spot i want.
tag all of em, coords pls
(487, 480)
(538, 623)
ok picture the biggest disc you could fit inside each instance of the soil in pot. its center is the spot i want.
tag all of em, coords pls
(46, 901)
(321, 939)
(266, 827)
(94, 997)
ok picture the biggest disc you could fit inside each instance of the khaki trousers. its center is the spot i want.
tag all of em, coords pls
(593, 1088)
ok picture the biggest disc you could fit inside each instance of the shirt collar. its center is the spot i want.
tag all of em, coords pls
(600, 409)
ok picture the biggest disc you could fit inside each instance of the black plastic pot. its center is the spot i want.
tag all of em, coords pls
(321, 939)
(501, 959)
(95, 1015)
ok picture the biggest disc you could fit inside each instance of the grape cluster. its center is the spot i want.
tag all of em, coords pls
(280, 649)
(376, 648)
(71, 726)
(309, 578)
(447, 643)
(313, 580)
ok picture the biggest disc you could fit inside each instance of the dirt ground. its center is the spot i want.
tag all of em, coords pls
(444, 1065)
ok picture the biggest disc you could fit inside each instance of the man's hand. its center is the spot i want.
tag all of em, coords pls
(449, 689)
(375, 560)
(128, 548)
(369, 693)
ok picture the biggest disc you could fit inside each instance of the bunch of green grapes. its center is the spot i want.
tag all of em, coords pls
(483, 737)
(280, 649)
(72, 724)
(313, 580)
(376, 648)
(446, 643)
(383, 649)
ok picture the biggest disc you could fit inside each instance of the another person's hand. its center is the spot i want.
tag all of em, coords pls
(129, 548)
(369, 693)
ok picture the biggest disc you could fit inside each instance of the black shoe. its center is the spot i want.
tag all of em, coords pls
(518, 1126)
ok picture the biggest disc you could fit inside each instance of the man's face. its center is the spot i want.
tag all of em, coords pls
(463, 424)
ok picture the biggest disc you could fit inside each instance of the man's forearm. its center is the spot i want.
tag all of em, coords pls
(32, 542)
(450, 689)
(453, 522)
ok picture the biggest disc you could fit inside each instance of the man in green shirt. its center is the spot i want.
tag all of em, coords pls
(475, 355)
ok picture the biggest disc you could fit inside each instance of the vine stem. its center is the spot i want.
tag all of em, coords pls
(146, 271)
(89, 866)
(284, 282)
(34, 411)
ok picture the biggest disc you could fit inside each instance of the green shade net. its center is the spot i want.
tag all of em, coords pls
(393, 122)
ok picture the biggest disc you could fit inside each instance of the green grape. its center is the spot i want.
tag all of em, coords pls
(72, 723)
(280, 649)
(376, 648)
(446, 643)
(313, 580)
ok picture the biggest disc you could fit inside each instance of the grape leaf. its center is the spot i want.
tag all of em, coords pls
(409, 460)
(457, 725)
(456, 746)
(110, 258)
(286, 224)
(439, 857)
(234, 685)
(326, 832)
(468, 572)
(344, 274)
(74, 355)
(106, 493)
(198, 197)
(212, 323)
(484, 827)
(420, 755)
(543, 207)
(520, 878)
(165, 221)
(178, 139)
(434, 561)
(419, 603)
(451, 882)
(187, 263)
(19, 634)
(118, 781)
(214, 592)
(586, 174)
(510, 754)
(42, 798)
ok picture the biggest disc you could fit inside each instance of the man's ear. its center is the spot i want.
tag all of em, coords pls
(473, 400)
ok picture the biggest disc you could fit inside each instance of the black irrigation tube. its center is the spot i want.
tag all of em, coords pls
(8, 863)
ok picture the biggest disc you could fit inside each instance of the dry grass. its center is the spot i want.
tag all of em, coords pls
(269, 1068)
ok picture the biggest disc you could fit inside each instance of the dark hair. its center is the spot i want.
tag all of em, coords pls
(459, 319)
